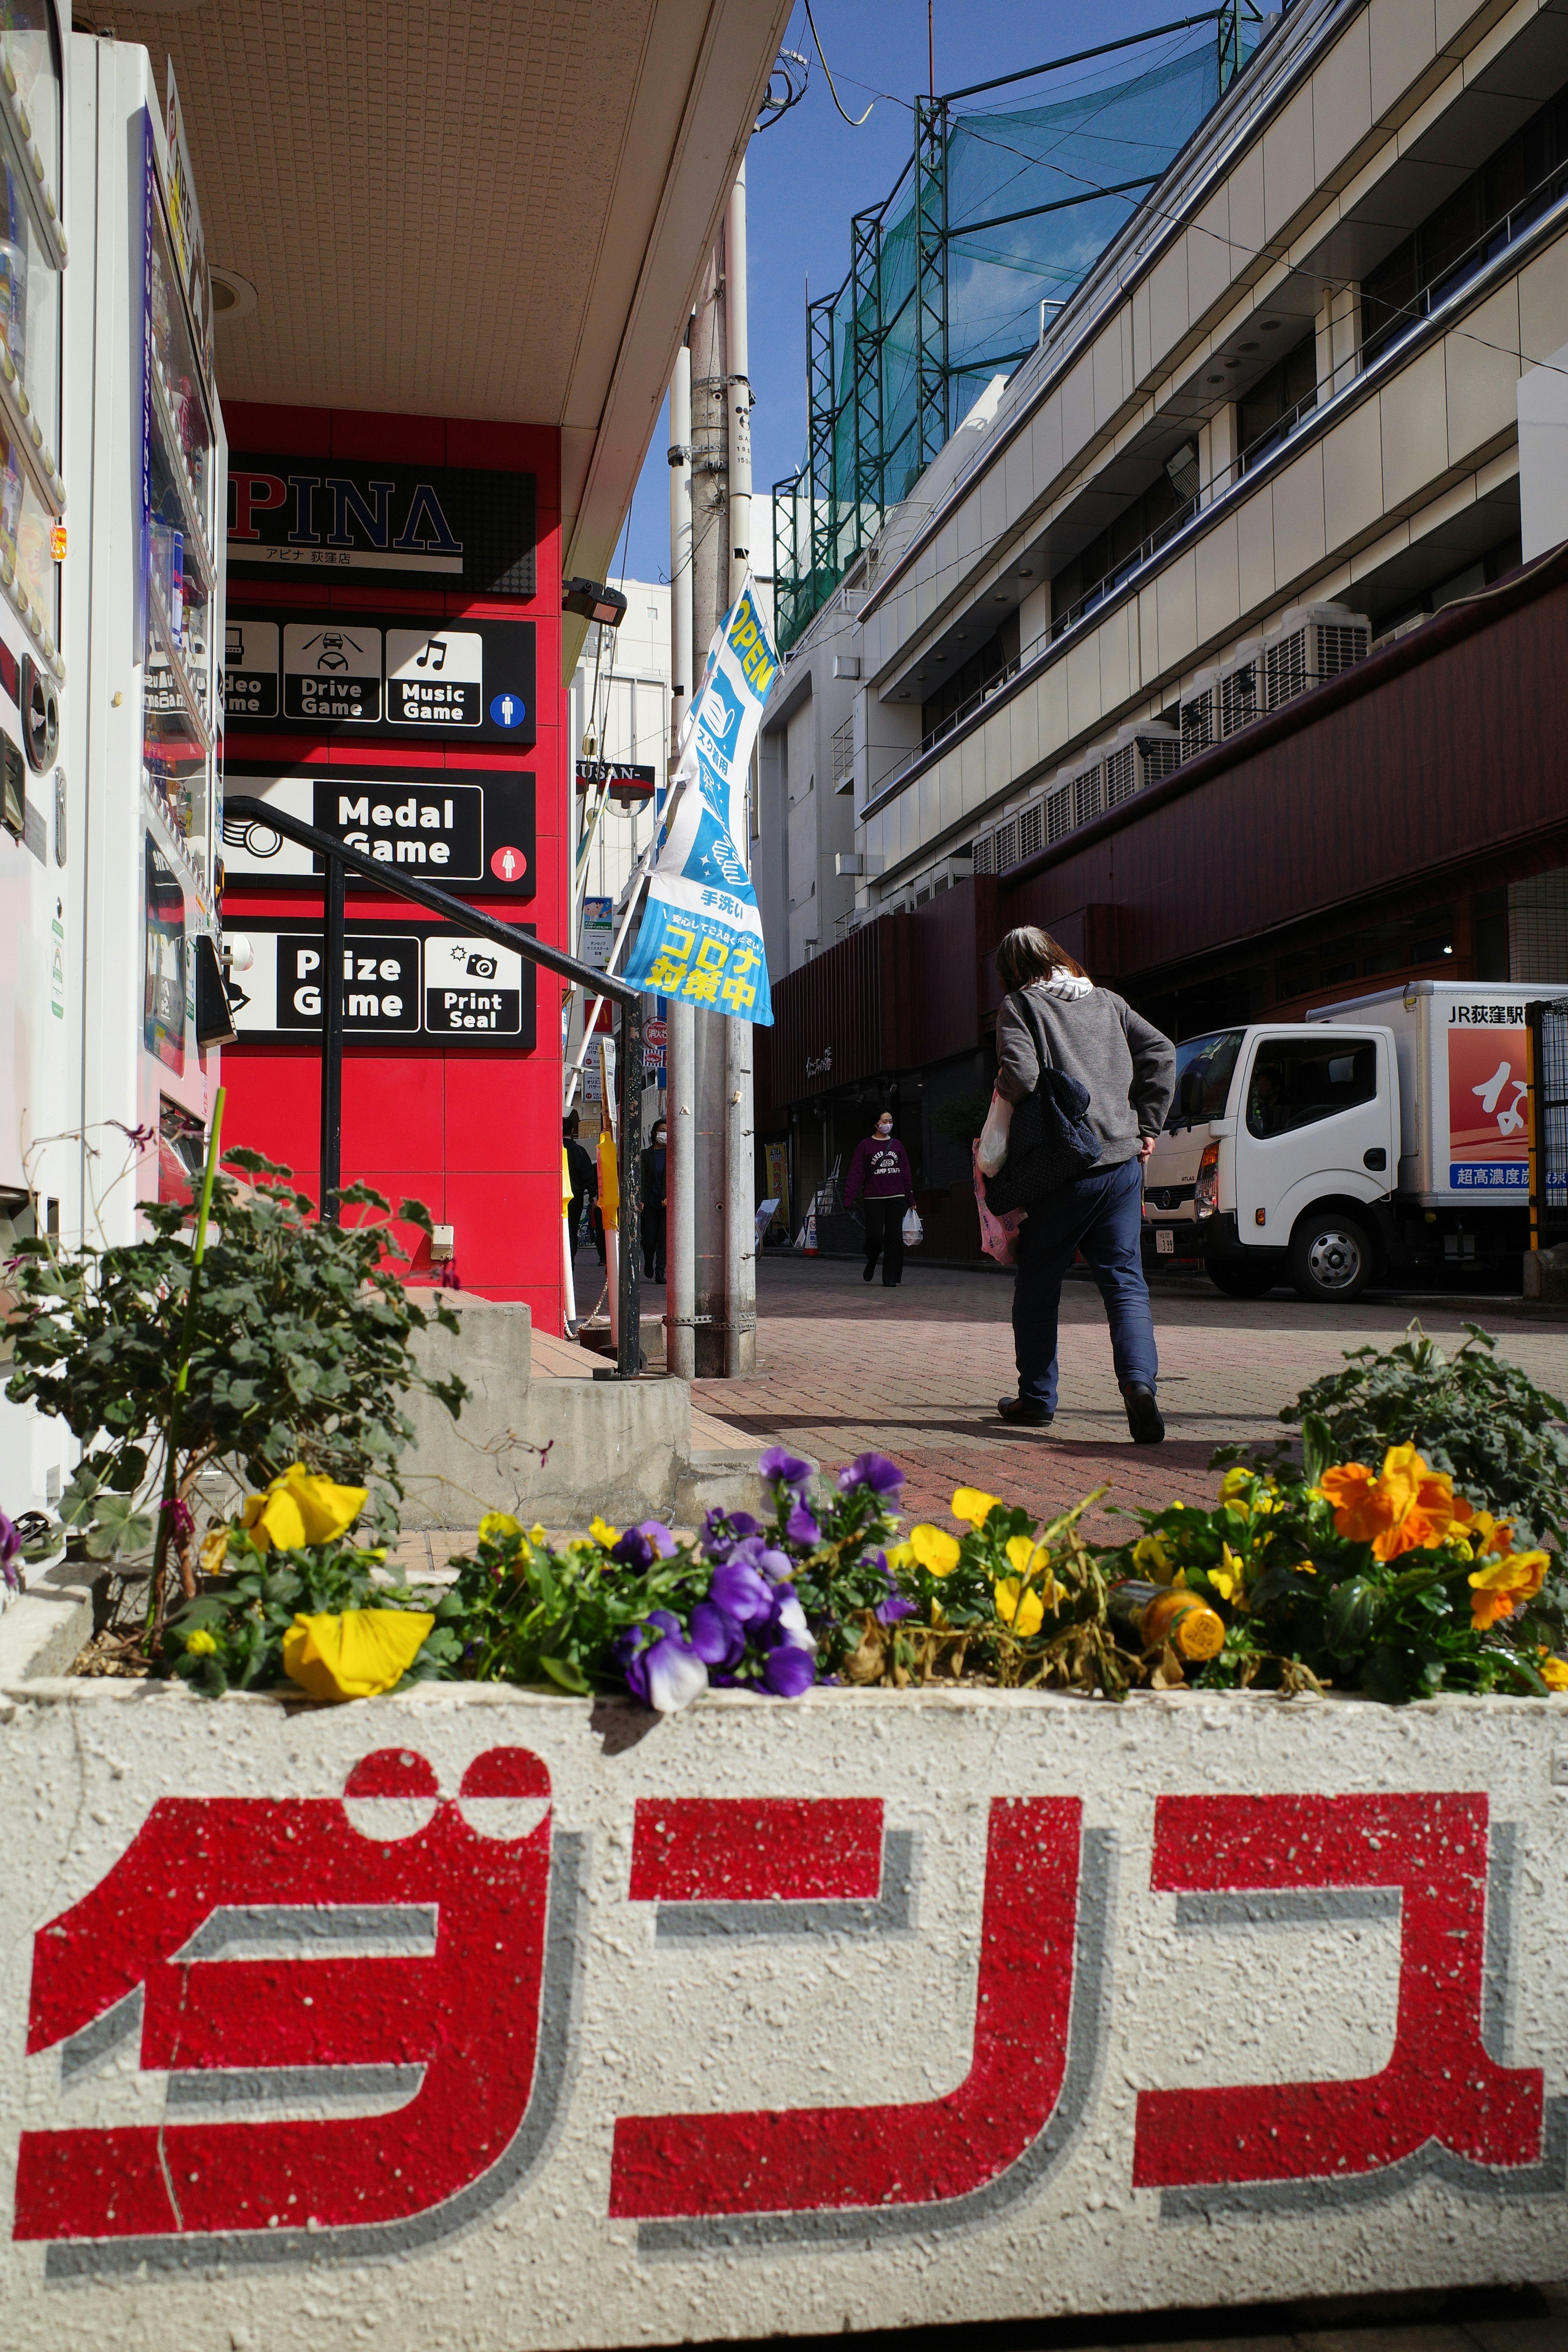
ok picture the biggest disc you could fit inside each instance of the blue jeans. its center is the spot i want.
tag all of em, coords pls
(1101, 1214)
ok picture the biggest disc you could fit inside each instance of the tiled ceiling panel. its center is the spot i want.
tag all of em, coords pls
(423, 195)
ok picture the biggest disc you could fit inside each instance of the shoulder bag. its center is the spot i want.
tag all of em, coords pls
(1051, 1140)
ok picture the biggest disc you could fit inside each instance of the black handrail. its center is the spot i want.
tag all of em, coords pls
(340, 861)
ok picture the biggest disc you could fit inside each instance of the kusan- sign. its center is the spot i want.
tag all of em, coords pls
(469, 528)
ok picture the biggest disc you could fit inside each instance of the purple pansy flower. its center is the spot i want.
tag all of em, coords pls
(775, 1564)
(718, 1638)
(642, 1544)
(873, 1470)
(889, 1612)
(669, 1672)
(800, 1527)
(780, 1467)
(737, 1588)
(787, 1624)
(788, 1672)
(10, 1546)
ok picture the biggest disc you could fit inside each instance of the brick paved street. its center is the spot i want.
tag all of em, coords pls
(916, 1371)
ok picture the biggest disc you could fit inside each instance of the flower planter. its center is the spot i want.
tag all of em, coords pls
(474, 2015)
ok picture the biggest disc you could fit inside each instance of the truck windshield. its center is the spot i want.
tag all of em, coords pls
(1203, 1066)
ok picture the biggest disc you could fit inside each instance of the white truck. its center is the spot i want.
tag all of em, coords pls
(1382, 1138)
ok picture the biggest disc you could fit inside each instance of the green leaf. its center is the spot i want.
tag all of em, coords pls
(570, 1678)
(1317, 1446)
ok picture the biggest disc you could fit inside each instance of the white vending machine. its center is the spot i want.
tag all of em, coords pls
(146, 614)
(111, 999)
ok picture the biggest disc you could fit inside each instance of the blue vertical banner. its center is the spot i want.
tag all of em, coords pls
(702, 935)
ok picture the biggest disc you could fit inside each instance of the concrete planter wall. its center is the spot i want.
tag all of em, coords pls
(485, 2018)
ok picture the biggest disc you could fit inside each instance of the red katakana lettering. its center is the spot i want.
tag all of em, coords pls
(187, 1915)
(1440, 2085)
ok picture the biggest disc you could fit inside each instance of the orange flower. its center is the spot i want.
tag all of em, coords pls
(1553, 1670)
(1407, 1507)
(1506, 1586)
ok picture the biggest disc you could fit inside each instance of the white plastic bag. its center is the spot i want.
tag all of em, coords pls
(914, 1232)
(993, 1136)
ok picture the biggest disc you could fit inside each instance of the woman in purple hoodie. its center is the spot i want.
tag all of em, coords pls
(882, 1166)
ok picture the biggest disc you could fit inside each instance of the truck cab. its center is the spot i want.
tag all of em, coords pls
(1279, 1158)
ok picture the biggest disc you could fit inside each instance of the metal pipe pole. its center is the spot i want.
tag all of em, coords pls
(628, 1351)
(681, 1191)
(711, 544)
(739, 1121)
(332, 1044)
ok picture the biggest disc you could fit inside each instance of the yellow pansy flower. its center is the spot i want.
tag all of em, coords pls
(935, 1549)
(539, 1534)
(1018, 1607)
(603, 1534)
(355, 1654)
(214, 1551)
(496, 1526)
(200, 1644)
(300, 1508)
(899, 1555)
(1151, 1554)
(1025, 1555)
(972, 1503)
(1229, 1578)
(1553, 1670)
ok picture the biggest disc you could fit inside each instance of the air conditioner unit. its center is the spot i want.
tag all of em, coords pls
(1313, 642)
(1088, 789)
(1200, 715)
(1140, 755)
(1031, 828)
(1004, 842)
(1238, 687)
(1059, 818)
(984, 853)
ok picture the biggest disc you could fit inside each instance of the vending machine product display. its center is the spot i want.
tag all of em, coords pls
(40, 916)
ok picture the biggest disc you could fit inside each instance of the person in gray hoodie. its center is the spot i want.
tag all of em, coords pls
(1130, 1069)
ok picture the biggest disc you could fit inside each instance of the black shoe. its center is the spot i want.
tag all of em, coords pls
(869, 1271)
(1024, 1415)
(1143, 1416)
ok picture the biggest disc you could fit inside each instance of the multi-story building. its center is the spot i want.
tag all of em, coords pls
(1108, 667)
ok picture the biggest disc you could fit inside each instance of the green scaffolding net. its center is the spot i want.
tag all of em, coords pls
(998, 217)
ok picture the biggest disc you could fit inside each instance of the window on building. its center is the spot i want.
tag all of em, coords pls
(968, 680)
(1266, 413)
(1095, 569)
(1481, 216)
(1297, 1081)
(1407, 944)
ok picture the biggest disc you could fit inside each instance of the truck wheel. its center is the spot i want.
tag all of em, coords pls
(1331, 1256)
(1243, 1280)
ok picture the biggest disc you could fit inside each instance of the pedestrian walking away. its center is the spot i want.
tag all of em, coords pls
(881, 1166)
(1055, 1028)
(655, 1183)
(585, 1179)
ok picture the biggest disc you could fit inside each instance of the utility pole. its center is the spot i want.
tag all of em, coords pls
(710, 543)
(680, 1263)
(740, 1119)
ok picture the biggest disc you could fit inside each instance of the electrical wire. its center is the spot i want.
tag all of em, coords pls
(854, 120)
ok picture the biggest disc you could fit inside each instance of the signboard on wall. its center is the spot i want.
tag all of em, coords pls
(316, 518)
(413, 984)
(465, 829)
(388, 677)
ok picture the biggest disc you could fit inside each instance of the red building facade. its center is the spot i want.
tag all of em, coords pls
(470, 1127)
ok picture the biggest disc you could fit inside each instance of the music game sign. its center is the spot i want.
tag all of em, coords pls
(415, 982)
(350, 676)
(471, 830)
(321, 517)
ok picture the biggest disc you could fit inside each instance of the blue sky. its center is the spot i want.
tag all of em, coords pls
(810, 172)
